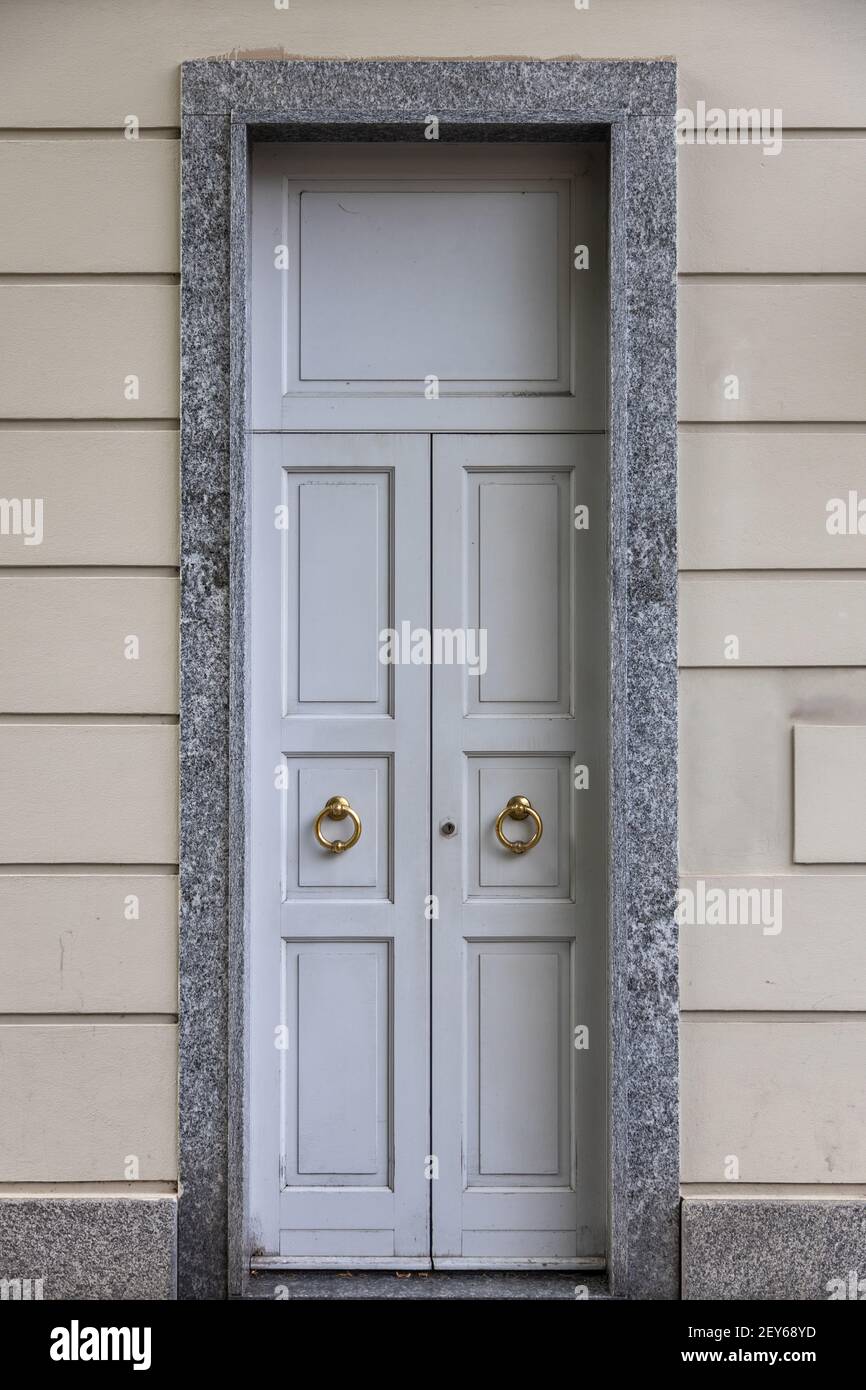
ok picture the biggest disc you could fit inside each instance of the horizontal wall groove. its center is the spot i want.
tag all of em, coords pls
(64, 1020)
(816, 1016)
(782, 426)
(769, 277)
(803, 132)
(741, 667)
(58, 717)
(750, 875)
(87, 133)
(843, 132)
(771, 574)
(795, 1191)
(31, 278)
(89, 571)
(142, 1189)
(128, 422)
(786, 871)
(168, 870)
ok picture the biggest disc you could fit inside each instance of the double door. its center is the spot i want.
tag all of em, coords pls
(427, 696)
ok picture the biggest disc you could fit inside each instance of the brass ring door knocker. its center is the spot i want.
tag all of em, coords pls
(338, 808)
(519, 808)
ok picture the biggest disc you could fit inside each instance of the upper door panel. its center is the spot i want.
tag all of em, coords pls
(456, 287)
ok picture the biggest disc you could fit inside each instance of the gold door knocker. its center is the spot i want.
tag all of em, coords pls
(338, 808)
(519, 808)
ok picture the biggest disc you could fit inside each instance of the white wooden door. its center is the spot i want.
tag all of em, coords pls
(339, 941)
(518, 946)
(427, 1008)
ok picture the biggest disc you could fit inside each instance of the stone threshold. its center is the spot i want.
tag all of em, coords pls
(436, 1285)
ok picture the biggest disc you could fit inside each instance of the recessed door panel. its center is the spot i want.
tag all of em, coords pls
(336, 579)
(381, 287)
(518, 1085)
(442, 298)
(362, 872)
(519, 559)
(495, 871)
(336, 1067)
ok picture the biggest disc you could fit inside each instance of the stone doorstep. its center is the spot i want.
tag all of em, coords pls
(452, 1286)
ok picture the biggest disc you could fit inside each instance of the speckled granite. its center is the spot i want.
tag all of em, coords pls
(453, 1287)
(91, 1248)
(511, 89)
(204, 701)
(745, 1249)
(635, 103)
(238, 1089)
(645, 861)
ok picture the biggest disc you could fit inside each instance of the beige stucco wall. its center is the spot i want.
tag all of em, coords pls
(771, 247)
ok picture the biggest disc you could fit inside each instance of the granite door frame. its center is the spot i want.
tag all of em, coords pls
(225, 105)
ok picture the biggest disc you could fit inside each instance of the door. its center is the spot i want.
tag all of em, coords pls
(340, 942)
(518, 946)
(427, 697)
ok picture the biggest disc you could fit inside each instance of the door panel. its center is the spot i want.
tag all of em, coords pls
(338, 1009)
(364, 873)
(519, 1050)
(339, 943)
(340, 547)
(371, 278)
(381, 288)
(517, 542)
(518, 1056)
(546, 871)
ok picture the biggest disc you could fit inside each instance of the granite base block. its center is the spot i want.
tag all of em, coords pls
(112, 1248)
(783, 1249)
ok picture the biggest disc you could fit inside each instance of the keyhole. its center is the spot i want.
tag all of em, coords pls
(448, 828)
